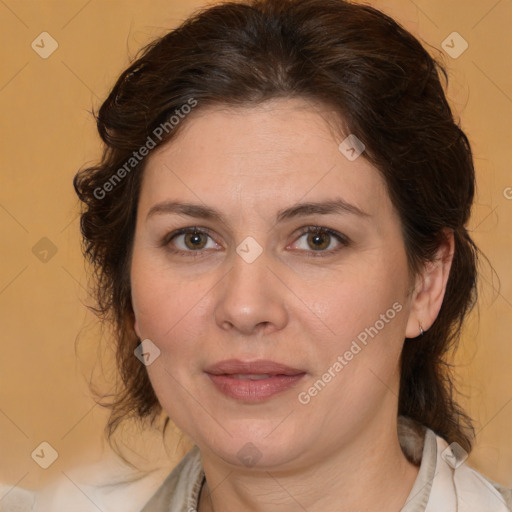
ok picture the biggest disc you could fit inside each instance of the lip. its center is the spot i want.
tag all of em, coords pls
(281, 377)
(236, 366)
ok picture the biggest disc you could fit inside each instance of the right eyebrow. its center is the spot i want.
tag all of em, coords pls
(188, 209)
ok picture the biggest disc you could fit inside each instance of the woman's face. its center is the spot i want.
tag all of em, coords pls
(251, 285)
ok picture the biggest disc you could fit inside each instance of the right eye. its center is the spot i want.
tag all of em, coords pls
(188, 240)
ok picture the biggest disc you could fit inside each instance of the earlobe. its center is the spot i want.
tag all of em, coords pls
(430, 289)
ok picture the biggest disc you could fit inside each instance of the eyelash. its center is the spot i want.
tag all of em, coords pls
(343, 240)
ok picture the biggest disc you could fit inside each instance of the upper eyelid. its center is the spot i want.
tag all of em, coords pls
(184, 231)
(313, 227)
(341, 238)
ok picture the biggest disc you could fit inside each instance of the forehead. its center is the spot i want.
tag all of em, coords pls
(269, 155)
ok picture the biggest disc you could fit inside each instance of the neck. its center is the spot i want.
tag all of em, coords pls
(371, 473)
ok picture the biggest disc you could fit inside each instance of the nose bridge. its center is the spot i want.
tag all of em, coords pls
(250, 295)
(249, 270)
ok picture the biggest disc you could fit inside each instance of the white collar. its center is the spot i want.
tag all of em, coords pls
(445, 483)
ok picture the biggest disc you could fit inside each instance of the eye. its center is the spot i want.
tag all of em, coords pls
(189, 240)
(321, 240)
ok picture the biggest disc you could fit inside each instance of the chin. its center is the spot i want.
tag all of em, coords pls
(257, 451)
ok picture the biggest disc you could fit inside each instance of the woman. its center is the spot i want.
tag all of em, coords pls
(278, 230)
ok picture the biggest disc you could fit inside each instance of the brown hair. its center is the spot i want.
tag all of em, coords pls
(386, 89)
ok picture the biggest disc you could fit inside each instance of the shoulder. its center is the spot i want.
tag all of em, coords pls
(445, 481)
(15, 498)
(471, 490)
(180, 490)
(474, 486)
(505, 492)
(109, 486)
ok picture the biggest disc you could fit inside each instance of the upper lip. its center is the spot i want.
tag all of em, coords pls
(236, 366)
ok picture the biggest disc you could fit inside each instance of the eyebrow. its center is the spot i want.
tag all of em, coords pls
(338, 206)
(188, 209)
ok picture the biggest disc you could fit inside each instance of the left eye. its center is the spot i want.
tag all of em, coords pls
(321, 239)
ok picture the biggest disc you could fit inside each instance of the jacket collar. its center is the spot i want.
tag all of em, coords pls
(445, 483)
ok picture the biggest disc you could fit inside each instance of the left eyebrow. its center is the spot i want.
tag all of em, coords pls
(338, 206)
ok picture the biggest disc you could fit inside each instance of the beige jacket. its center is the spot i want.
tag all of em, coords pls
(445, 483)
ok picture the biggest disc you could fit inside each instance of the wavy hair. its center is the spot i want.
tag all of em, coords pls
(384, 86)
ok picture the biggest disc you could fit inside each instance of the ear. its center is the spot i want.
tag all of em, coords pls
(430, 288)
(136, 329)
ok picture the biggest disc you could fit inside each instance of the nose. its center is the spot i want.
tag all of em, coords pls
(251, 298)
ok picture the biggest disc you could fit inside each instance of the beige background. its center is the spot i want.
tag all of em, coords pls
(47, 133)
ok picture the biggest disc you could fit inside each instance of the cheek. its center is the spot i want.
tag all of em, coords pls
(361, 296)
(359, 371)
(367, 315)
(160, 298)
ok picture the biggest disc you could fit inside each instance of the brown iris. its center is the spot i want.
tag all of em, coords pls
(195, 240)
(315, 239)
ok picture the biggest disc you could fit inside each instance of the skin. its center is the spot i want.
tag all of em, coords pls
(340, 451)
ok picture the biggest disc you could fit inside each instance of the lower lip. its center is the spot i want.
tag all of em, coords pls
(254, 390)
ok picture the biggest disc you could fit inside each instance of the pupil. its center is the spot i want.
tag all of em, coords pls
(195, 240)
(317, 237)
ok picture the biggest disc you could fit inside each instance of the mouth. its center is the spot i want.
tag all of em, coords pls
(253, 381)
(243, 376)
(251, 368)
